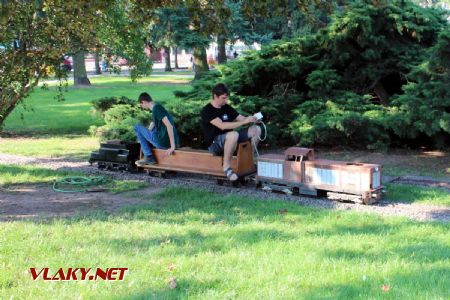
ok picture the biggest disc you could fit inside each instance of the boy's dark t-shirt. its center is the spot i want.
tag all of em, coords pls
(226, 113)
(159, 112)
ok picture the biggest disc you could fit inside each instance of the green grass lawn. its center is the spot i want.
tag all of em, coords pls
(14, 174)
(223, 247)
(70, 146)
(417, 194)
(11, 175)
(29, 174)
(73, 116)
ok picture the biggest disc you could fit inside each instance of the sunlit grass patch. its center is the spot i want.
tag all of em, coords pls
(417, 194)
(69, 146)
(218, 246)
(74, 114)
(29, 174)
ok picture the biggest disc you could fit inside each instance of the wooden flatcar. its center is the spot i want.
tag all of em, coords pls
(202, 162)
(297, 171)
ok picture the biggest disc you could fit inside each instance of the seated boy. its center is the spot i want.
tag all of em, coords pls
(161, 134)
(219, 121)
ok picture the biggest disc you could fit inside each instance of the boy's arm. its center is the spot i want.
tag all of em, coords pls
(169, 128)
(232, 125)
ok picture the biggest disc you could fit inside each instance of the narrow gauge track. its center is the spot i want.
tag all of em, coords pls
(441, 183)
(384, 207)
(249, 184)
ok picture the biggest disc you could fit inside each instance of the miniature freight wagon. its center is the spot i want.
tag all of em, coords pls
(297, 171)
(202, 162)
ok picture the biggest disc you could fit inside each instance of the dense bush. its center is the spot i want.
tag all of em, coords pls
(119, 122)
(187, 121)
(103, 104)
(377, 75)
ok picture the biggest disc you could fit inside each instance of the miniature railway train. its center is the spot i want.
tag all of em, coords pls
(297, 171)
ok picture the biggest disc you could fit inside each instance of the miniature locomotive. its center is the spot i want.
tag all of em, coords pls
(116, 155)
(297, 171)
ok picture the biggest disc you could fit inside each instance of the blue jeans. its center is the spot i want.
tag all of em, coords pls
(147, 138)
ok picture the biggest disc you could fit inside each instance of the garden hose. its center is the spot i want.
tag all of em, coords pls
(76, 184)
(259, 137)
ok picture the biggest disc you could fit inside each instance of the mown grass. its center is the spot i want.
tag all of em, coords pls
(29, 174)
(74, 115)
(417, 194)
(221, 247)
(75, 147)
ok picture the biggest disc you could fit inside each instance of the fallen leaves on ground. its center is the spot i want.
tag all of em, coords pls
(172, 283)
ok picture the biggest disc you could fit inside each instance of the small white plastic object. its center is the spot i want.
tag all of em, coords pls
(258, 116)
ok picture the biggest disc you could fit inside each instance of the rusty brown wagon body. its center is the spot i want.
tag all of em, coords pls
(297, 171)
(202, 162)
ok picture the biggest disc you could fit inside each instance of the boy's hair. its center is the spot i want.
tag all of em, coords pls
(145, 97)
(220, 89)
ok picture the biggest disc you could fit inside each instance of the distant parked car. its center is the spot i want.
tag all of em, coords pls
(123, 62)
(66, 65)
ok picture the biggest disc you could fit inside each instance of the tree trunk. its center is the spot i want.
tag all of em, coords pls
(168, 68)
(9, 100)
(381, 92)
(79, 70)
(175, 50)
(200, 62)
(222, 54)
(98, 70)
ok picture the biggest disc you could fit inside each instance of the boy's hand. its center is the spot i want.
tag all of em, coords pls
(170, 151)
(250, 119)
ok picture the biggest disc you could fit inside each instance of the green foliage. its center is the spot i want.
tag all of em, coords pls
(375, 76)
(119, 122)
(425, 105)
(187, 119)
(103, 104)
(352, 119)
(122, 33)
(34, 36)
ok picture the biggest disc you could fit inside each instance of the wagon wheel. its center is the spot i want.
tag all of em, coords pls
(243, 181)
(130, 166)
(236, 183)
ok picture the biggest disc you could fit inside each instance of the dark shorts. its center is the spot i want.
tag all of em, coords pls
(218, 144)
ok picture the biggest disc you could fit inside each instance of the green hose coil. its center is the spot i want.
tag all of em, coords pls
(76, 184)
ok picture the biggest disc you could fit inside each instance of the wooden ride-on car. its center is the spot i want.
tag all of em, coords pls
(202, 162)
(298, 171)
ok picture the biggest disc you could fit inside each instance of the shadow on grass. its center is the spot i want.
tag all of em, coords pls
(194, 242)
(175, 207)
(420, 251)
(417, 194)
(185, 289)
(25, 174)
(394, 287)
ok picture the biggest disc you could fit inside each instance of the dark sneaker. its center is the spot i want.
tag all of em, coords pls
(148, 160)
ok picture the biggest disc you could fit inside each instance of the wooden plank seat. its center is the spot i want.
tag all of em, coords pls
(203, 162)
